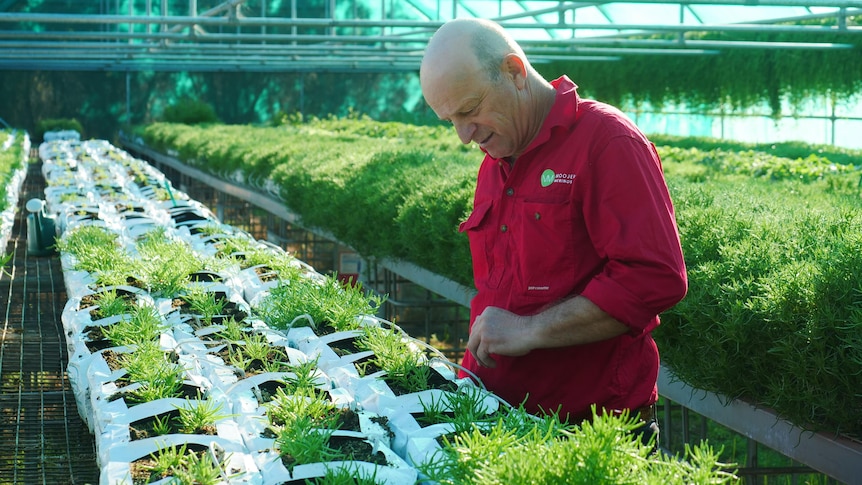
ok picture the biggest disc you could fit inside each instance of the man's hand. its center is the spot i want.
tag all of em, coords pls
(497, 331)
(575, 321)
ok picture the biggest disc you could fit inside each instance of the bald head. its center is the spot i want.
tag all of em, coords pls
(469, 44)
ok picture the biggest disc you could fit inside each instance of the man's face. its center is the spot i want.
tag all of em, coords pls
(482, 111)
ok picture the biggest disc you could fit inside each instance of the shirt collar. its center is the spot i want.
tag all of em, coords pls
(563, 112)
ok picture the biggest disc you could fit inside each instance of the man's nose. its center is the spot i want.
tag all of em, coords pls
(465, 131)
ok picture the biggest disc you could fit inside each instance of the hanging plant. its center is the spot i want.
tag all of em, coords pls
(734, 78)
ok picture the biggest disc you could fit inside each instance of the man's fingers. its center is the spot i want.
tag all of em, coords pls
(475, 347)
(487, 361)
(483, 357)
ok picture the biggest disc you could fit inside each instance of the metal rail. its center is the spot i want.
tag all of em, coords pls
(836, 456)
(149, 42)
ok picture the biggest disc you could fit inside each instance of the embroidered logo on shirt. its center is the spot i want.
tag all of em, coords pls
(549, 177)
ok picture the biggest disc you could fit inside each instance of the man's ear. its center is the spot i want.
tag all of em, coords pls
(514, 67)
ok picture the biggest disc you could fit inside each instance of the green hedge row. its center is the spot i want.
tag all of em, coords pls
(387, 189)
(772, 238)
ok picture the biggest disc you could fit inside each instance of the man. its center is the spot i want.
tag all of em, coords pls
(574, 242)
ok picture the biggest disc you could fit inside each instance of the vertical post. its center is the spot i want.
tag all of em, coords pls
(293, 16)
(382, 17)
(667, 424)
(164, 25)
(561, 18)
(355, 16)
(752, 459)
(331, 7)
(128, 98)
(686, 436)
(302, 93)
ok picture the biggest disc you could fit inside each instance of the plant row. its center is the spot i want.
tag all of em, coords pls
(14, 150)
(771, 238)
(201, 355)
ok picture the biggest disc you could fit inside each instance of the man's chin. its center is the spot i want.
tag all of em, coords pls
(493, 153)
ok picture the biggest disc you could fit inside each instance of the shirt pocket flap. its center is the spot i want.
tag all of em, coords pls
(476, 217)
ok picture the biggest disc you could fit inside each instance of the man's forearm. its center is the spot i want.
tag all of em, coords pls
(576, 321)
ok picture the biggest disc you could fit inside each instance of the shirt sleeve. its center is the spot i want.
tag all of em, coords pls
(630, 218)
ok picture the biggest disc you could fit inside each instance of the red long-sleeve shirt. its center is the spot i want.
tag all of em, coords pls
(584, 210)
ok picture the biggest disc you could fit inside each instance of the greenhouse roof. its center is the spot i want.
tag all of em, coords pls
(390, 35)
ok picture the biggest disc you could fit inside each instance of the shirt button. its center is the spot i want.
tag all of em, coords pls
(504, 228)
(538, 216)
(510, 191)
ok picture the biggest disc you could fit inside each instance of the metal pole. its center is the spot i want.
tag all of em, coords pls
(332, 15)
(164, 26)
(382, 17)
(129, 97)
(293, 16)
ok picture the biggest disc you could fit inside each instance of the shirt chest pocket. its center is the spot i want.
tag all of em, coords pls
(545, 238)
(487, 248)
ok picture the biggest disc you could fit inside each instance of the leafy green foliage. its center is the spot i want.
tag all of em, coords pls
(326, 301)
(757, 164)
(205, 304)
(463, 409)
(727, 81)
(151, 367)
(304, 442)
(199, 415)
(165, 264)
(4, 260)
(190, 111)
(774, 273)
(346, 475)
(112, 303)
(293, 409)
(185, 466)
(143, 325)
(769, 232)
(603, 450)
(324, 167)
(405, 366)
(10, 160)
(97, 250)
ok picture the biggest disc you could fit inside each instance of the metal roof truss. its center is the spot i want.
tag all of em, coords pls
(237, 35)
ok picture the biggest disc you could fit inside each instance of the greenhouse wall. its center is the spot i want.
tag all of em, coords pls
(819, 122)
